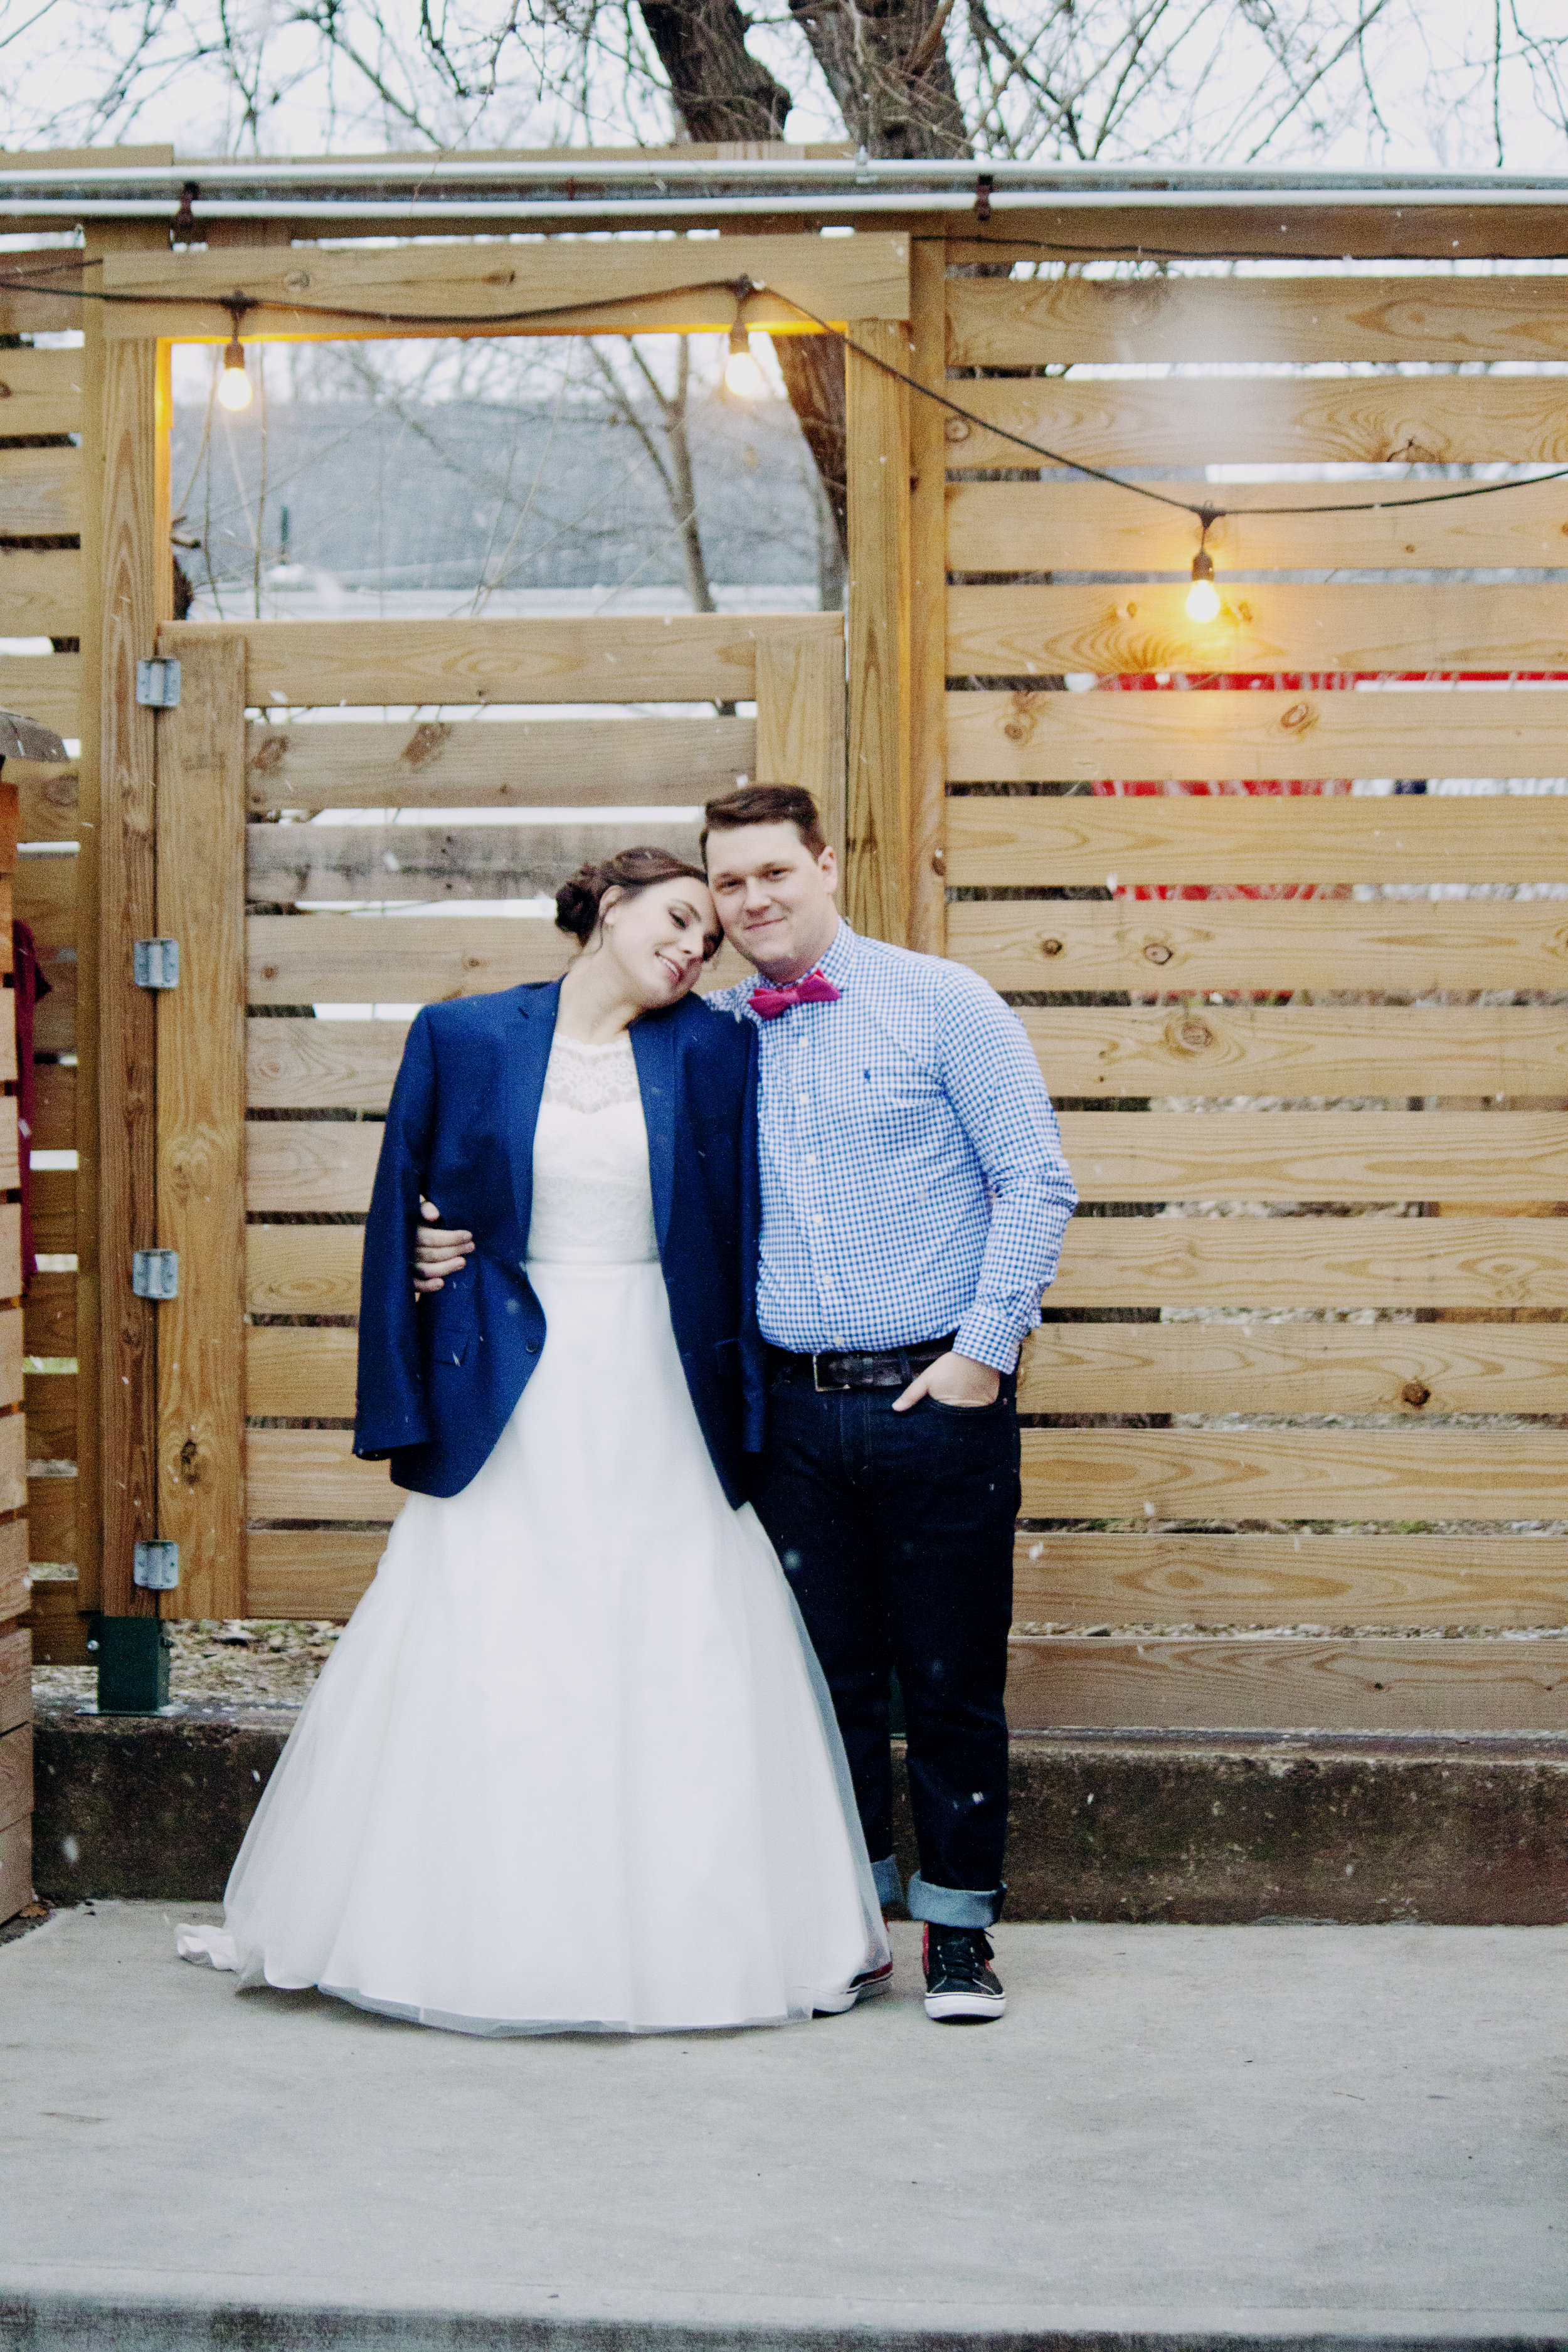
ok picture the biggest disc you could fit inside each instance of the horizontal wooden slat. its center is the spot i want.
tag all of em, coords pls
(1263, 625)
(304, 1166)
(40, 392)
(1293, 1474)
(10, 1250)
(997, 738)
(420, 862)
(411, 959)
(15, 1777)
(1327, 1368)
(40, 593)
(1252, 1049)
(13, 1569)
(49, 801)
(1207, 838)
(341, 1065)
(498, 763)
(311, 1473)
(46, 686)
(44, 889)
(837, 279)
(16, 1691)
(1488, 1263)
(10, 1355)
(1302, 1580)
(318, 1572)
(50, 1316)
(16, 1867)
(311, 1270)
(1513, 1156)
(51, 1518)
(1410, 947)
(12, 1462)
(54, 1121)
(1264, 1684)
(54, 1021)
(8, 1163)
(1263, 420)
(1388, 229)
(52, 1399)
(1031, 526)
(40, 489)
(53, 1211)
(300, 1375)
(60, 1628)
(684, 657)
(993, 322)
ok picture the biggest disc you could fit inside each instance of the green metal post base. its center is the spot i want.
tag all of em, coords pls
(132, 1665)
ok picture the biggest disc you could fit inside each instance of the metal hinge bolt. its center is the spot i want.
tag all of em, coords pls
(155, 1274)
(156, 963)
(155, 1566)
(158, 684)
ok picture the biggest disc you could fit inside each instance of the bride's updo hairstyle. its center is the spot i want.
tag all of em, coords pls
(629, 871)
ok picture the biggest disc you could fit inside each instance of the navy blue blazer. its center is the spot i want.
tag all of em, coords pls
(439, 1376)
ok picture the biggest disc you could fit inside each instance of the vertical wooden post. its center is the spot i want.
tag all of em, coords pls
(137, 592)
(15, 1640)
(800, 719)
(87, 1487)
(201, 1128)
(877, 833)
(928, 598)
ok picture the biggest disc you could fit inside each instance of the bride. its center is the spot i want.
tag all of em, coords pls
(571, 1765)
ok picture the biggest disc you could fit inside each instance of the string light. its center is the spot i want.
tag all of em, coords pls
(742, 376)
(234, 388)
(1203, 596)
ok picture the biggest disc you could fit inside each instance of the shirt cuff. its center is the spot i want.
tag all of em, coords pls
(991, 1336)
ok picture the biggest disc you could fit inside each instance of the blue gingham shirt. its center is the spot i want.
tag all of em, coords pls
(912, 1177)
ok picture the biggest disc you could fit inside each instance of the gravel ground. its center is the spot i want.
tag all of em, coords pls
(263, 1663)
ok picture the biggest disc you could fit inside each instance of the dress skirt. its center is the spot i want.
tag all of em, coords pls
(571, 1765)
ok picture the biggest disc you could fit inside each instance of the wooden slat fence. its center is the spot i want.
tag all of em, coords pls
(1295, 1455)
(42, 597)
(272, 1083)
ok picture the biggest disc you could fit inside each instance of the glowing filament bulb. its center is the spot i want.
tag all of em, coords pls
(742, 376)
(1203, 596)
(234, 384)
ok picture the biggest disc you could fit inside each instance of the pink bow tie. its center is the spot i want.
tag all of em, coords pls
(769, 1003)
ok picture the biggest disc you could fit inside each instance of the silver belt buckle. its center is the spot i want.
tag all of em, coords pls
(831, 1388)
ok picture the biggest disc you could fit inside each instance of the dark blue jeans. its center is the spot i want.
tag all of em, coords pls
(896, 1533)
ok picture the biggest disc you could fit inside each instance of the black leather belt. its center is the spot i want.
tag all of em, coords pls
(832, 1372)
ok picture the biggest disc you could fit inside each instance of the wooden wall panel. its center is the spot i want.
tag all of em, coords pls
(50, 801)
(46, 686)
(1294, 1473)
(315, 1269)
(316, 1572)
(311, 1473)
(497, 763)
(1513, 1157)
(294, 1375)
(1500, 1581)
(317, 1167)
(423, 863)
(40, 593)
(296, 1065)
(40, 489)
(877, 831)
(41, 391)
(800, 723)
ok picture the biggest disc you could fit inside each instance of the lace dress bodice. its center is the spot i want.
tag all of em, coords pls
(592, 1202)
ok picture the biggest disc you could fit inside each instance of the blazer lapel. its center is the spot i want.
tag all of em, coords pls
(537, 1008)
(653, 1050)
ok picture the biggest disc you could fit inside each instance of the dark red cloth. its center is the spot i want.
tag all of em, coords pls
(27, 984)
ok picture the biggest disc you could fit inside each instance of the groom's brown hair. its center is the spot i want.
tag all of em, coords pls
(764, 804)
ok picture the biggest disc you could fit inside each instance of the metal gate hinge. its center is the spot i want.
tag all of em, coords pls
(158, 684)
(156, 963)
(155, 1566)
(155, 1274)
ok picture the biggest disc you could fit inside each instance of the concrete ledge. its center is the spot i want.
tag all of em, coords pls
(1187, 1828)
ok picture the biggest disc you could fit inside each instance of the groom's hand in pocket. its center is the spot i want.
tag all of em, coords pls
(951, 1379)
(438, 1250)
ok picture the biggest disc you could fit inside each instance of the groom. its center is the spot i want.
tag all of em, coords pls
(914, 1197)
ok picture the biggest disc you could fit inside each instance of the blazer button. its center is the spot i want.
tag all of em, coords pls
(532, 1347)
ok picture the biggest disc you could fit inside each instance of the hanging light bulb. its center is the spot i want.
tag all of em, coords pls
(742, 376)
(1203, 596)
(234, 384)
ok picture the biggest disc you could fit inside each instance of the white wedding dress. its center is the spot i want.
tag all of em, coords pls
(572, 1765)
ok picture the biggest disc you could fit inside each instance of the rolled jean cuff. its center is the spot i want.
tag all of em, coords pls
(954, 1906)
(889, 1886)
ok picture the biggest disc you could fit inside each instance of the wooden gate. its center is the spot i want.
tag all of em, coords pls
(268, 1116)
(1347, 1280)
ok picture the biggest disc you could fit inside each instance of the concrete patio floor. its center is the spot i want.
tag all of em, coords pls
(1292, 2135)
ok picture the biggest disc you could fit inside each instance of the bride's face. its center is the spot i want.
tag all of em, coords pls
(661, 938)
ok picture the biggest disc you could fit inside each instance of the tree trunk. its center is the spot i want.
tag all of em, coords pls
(887, 68)
(720, 90)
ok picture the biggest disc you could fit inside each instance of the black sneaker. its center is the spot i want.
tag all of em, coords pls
(960, 1980)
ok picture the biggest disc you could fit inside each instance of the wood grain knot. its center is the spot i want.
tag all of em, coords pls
(1050, 947)
(938, 861)
(1416, 1393)
(5, 394)
(268, 971)
(1192, 1036)
(956, 430)
(1298, 719)
(298, 281)
(1157, 951)
(425, 743)
(189, 1470)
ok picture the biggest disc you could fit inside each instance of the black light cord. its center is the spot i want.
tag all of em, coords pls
(1205, 514)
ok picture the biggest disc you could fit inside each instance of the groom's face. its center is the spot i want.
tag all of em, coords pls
(774, 896)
